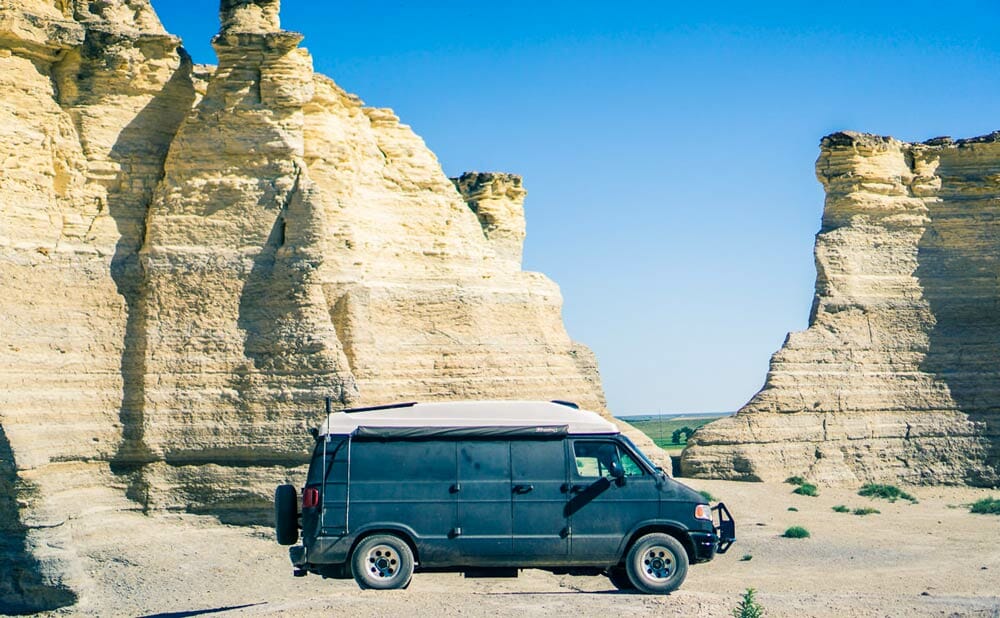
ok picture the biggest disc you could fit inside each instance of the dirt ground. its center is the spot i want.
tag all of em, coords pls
(933, 558)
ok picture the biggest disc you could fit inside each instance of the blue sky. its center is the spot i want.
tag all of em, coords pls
(668, 149)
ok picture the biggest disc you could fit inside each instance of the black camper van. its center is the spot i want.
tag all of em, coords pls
(487, 488)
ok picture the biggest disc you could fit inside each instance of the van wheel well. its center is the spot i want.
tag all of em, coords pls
(679, 534)
(393, 531)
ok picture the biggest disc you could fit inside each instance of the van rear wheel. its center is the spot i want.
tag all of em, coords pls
(657, 563)
(382, 562)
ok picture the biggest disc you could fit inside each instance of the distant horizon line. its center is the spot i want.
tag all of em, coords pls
(626, 417)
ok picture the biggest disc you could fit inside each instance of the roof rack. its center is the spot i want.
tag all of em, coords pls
(568, 404)
(390, 406)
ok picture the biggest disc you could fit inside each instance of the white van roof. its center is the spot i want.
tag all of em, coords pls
(542, 417)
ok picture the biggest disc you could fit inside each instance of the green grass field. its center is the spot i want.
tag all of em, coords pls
(661, 430)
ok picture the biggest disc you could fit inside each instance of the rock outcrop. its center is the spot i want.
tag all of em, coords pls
(193, 258)
(897, 377)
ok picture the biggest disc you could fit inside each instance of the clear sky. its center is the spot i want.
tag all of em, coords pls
(668, 148)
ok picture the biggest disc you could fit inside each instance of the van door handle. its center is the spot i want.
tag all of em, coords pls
(523, 489)
(575, 489)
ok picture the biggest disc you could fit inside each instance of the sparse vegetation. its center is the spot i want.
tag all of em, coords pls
(746, 558)
(795, 480)
(796, 532)
(988, 506)
(706, 495)
(661, 430)
(748, 606)
(867, 510)
(806, 489)
(792, 508)
(840, 508)
(886, 492)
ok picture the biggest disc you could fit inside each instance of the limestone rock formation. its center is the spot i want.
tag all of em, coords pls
(192, 258)
(498, 201)
(897, 377)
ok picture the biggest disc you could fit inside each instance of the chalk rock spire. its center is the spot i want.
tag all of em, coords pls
(250, 15)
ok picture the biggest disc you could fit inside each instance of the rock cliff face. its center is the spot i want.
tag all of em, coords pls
(193, 258)
(897, 377)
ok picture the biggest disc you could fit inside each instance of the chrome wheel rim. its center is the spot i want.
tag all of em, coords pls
(382, 562)
(656, 564)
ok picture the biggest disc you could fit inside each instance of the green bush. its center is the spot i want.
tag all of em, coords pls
(988, 506)
(795, 480)
(748, 606)
(840, 508)
(684, 433)
(886, 492)
(746, 558)
(707, 496)
(796, 532)
(806, 489)
(792, 508)
(866, 511)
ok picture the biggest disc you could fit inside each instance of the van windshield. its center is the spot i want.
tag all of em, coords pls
(638, 453)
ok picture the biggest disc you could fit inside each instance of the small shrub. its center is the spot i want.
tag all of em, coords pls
(886, 492)
(707, 496)
(748, 606)
(746, 558)
(796, 532)
(792, 508)
(795, 480)
(840, 508)
(806, 489)
(866, 511)
(988, 506)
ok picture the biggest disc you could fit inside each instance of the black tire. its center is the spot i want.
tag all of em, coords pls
(657, 563)
(286, 515)
(619, 578)
(382, 562)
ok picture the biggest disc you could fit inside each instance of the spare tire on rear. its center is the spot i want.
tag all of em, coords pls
(286, 515)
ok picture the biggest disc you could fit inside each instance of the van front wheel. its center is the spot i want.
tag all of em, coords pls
(657, 563)
(382, 562)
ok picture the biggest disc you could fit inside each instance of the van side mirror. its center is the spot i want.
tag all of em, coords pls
(616, 470)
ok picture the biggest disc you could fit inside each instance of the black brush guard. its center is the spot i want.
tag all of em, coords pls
(726, 529)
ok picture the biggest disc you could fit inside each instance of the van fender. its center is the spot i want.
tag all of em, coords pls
(669, 526)
(403, 531)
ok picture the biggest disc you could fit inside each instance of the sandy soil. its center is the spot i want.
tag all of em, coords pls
(933, 558)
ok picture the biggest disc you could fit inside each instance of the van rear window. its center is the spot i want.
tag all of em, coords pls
(401, 461)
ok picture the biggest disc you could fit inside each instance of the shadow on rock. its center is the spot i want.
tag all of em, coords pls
(25, 587)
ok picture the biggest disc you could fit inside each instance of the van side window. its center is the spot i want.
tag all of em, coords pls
(593, 460)
(629, 465)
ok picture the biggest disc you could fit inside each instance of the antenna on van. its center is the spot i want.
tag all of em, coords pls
(329, 406)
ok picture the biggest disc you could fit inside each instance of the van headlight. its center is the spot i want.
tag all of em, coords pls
(702, 511)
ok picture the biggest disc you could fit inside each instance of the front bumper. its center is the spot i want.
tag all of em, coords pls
(704, 545)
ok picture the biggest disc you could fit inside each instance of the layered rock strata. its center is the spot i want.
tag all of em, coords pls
(897, 377)
(194, 258)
